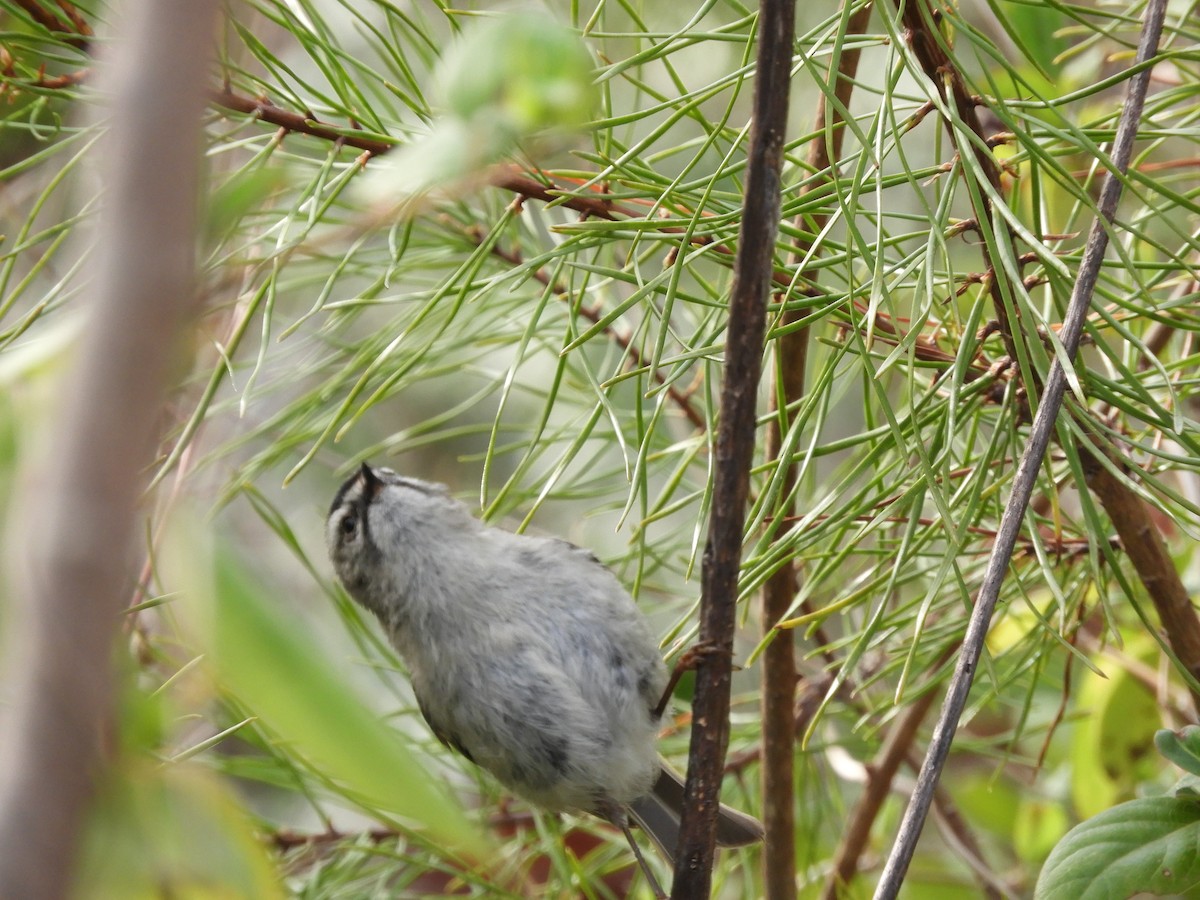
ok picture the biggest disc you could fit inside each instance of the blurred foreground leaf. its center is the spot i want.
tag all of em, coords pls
(522, 72)
(173, 831)
(519, 81)
(273, 670)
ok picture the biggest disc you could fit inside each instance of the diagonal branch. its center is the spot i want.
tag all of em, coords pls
(595, 316)
(1027, 471)
(76, 33)
(927, 46)
(301, 123)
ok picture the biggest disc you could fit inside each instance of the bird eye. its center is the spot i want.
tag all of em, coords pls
(349, 524)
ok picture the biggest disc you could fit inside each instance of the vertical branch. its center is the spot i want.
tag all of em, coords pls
(779, 676)
(78, 512)
(752, 276)
(1039, 438)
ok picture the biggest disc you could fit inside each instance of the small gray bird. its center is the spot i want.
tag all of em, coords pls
(527, 656)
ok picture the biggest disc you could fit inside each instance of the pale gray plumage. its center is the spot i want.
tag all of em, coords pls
(526, 654)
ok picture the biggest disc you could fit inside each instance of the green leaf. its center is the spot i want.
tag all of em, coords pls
(1150, 845)
(514, 82)
(1181, 747)
(176, 831)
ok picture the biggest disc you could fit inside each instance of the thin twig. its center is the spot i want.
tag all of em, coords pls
(752, 276)
(961, 837)
(595, 316)
(1055, 544)
(12, 84)
(880, 774)
(928, 47)
(77, 34)
(297, 122)
(1027, 471)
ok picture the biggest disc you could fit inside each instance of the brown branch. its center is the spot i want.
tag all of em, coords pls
(779, 674)
(752, 277)
(518, 180)
(887, 330)
(1147, 551)
(1058, 545)
(1166, 165)
(927, 45)
(880, 774)
(296, 122)
(77, 21)
(77, 33)
(11, 83)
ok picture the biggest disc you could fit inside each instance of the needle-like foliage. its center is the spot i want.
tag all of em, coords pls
(543, 329)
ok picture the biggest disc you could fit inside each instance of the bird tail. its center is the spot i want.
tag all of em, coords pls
(658, 815)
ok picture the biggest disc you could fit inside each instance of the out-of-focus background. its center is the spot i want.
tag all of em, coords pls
(505, 268)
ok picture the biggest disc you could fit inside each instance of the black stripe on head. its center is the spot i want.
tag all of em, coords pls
(353, 501)
(371, 486)
(340, 496)
(358, 491)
